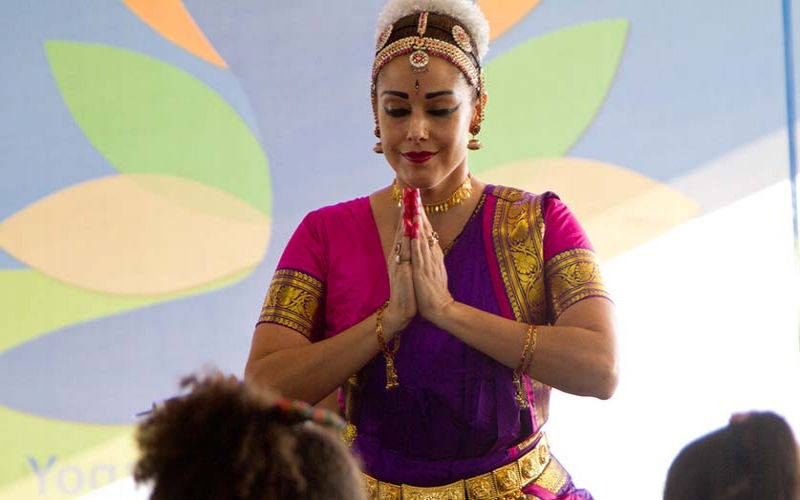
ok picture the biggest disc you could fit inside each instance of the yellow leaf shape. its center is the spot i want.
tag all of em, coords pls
(25, 293)
(619, 208)
(171, 19)
(504, 14)
(98, 454)
(138, 234)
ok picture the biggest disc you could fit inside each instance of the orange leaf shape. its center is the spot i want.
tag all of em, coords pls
(503, 14)
(138, 235)
(619, 208)
(171, 19)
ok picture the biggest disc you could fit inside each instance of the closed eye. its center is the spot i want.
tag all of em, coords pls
(444, 112)
(396, 112)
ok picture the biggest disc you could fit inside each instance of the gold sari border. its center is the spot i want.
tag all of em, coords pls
(517, 235)
(518, 238)
(573, 275)
(294, 300)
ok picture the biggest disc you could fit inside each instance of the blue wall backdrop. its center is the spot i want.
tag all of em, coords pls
(155, 156)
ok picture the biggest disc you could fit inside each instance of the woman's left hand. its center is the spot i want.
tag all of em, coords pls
(429, 272)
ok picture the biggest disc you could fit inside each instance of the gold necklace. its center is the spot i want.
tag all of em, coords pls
(458, 197)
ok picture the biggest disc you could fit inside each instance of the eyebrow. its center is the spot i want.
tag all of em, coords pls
(429, 95)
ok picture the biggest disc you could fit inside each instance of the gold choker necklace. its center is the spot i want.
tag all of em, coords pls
(458, 197)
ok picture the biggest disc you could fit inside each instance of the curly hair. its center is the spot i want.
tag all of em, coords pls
(229, 440)
(755, 456)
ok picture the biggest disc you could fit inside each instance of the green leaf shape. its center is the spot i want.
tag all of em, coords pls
(544, 94)
(146, 116)
(34, 304)
(25, 435)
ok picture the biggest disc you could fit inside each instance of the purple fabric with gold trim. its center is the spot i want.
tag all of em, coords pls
(454, 415)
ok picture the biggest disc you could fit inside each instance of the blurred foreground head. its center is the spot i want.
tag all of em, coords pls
(754, 457)
(227, 440)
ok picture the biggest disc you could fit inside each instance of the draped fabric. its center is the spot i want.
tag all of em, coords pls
(454, 415)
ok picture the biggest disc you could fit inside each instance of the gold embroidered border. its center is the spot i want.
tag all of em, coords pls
(517, 233)
(554, 476)
(518, 236)
(573, 275)
(294, 300)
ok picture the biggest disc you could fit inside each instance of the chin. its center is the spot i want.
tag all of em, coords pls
(420, 180)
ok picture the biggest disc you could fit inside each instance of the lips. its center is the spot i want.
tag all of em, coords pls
(418, 156)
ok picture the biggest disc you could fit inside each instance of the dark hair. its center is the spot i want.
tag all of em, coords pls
(754, 457)
(227, 440)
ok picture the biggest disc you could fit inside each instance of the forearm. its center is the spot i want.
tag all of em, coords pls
(575, 359)
(312, 371)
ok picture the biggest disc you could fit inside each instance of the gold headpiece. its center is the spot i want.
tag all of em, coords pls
(436, 35)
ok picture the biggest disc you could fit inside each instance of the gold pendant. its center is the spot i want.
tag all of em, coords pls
(521, 396)
(391, 375)
(348, 434)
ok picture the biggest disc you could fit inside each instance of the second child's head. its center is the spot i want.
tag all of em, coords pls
(754, 457)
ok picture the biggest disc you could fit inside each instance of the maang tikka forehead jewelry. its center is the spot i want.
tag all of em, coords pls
(419, 59)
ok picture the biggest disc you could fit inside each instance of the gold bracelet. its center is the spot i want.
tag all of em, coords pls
(524, 349)
(524, 363)
(533, 335)
(388, 354)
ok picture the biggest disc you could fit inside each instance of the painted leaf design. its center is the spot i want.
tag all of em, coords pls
(70, 442)
(35, 304)
(171, 19)
(503, 15)
(543, 94)
(146, 116)
(619, 208)
(138, 235)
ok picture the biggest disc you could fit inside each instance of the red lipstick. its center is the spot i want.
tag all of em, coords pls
(418, 156)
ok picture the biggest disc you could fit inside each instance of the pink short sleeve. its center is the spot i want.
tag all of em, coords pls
(572, 269)
(562, 229)
(296, 295)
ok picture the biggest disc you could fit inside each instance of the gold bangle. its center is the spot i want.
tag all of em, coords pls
(522, 358)
(524, 364)
(388, 354)
(533, 333)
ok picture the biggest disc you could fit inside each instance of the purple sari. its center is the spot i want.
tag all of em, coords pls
(454, 414)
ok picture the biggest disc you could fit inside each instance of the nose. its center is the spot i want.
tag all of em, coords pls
(417, 128)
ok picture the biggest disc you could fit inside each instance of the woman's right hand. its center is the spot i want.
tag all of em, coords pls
(402, 301)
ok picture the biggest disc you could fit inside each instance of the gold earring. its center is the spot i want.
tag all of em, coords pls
(378, 147)
(474, 144)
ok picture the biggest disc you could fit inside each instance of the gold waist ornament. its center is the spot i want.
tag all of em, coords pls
(504, 483)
